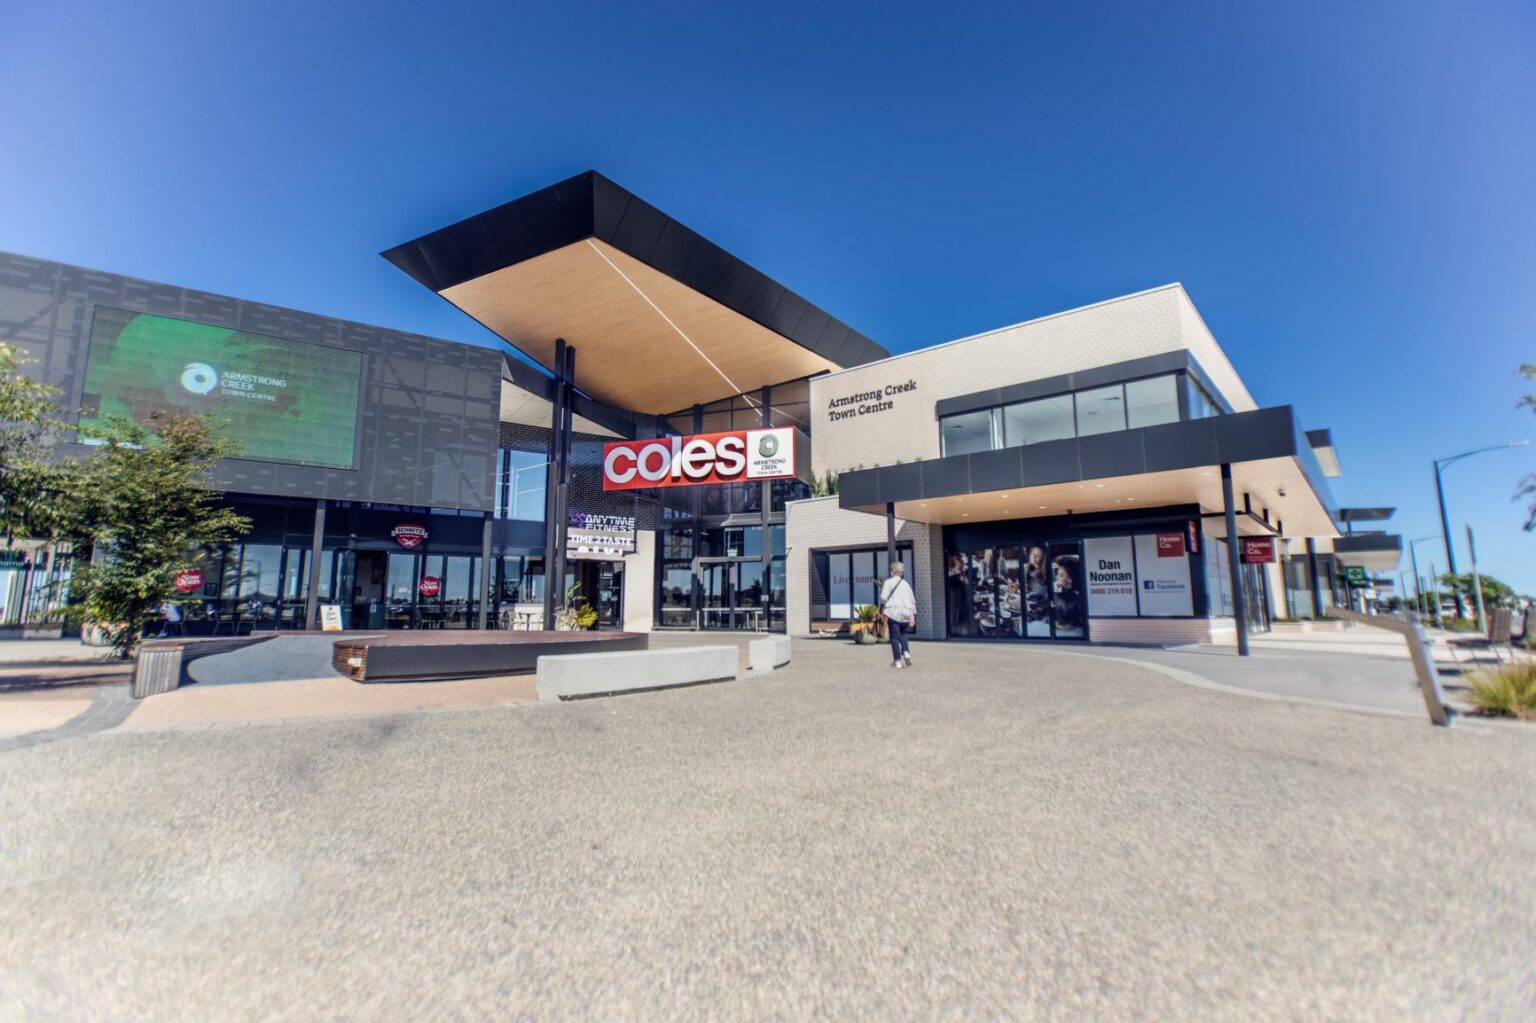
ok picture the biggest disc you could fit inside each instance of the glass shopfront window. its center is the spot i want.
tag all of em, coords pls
(1032, 591)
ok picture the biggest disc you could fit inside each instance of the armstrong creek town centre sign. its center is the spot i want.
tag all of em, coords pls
(728, 457)
(866, 403)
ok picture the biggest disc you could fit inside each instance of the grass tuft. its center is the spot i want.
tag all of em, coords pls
(1508, 690)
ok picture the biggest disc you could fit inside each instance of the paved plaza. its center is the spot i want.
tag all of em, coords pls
(1000, 832)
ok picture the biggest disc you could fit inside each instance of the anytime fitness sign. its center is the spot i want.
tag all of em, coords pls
(702, 458)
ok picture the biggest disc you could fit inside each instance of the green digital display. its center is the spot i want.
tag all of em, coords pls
(278, 400)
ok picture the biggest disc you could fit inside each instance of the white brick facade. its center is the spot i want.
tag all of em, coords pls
(1122, 329)
(640, 583)
(819, 524)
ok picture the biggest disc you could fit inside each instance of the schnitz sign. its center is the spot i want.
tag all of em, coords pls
(702, 458)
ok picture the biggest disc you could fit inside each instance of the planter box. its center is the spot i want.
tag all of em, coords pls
(1324, 626)
(31, 632)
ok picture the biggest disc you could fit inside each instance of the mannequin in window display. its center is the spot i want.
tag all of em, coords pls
(1067, 602)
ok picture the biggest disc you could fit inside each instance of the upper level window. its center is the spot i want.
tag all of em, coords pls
(1101, 410)
(1031, 422)
(971, 431)
(1150, 402)
(520, 485)
(1201, 404)
(1084, 413)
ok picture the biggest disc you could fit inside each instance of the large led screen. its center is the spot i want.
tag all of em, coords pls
(279, 400)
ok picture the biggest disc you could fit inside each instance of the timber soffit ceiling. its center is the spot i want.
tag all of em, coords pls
(661, 318)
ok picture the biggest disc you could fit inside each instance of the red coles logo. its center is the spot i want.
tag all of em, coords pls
(409, 535)
(1170, 545)
(188, 580)
(429, 586)
(699, 459)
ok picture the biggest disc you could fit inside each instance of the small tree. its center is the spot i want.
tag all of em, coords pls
(1495, 593)
(143, 505)
(28, 483)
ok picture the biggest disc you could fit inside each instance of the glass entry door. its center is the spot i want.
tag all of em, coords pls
(730, 593)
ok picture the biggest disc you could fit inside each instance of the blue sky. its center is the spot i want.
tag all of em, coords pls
(1345, 189)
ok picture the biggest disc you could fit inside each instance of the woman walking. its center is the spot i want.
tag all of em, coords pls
(899, 604)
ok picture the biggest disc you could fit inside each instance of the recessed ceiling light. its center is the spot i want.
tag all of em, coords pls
(965, 515)
(1042, 507)
(1099, 485)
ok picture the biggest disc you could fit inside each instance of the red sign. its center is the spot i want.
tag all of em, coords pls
(188, 580)
(699, 459)
(409, 535)
(429, 586)
(1170, 545)
(1194, 538)
(1258, 550)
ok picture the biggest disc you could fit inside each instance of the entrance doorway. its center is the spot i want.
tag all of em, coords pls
(731, 594)
(368, 608)
(601, 584)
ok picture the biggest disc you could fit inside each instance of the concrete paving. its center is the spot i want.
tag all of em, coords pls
(998, 832)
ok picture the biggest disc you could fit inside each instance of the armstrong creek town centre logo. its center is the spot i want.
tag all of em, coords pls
(201, 379)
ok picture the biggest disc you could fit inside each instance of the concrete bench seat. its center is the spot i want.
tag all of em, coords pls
(572, 676)
(768, 653)
(161, 664)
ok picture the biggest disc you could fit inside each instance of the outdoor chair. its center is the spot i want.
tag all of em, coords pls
(1498, 637)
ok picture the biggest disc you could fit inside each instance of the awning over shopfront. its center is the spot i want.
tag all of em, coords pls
(1278, 485)
(1375, 552)
(661, 318)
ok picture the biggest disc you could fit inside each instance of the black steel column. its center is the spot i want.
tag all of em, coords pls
(316, 549)
(890, 534)
(1234, 561)
(485, 571)
(1317, 586)
(552, 482)
(765, 495)
(562, 512)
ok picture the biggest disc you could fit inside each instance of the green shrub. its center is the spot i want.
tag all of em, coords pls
(1508, 690)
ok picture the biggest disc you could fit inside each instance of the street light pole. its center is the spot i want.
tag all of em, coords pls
(1445, 519)
(1413, 553)
(1477, 583)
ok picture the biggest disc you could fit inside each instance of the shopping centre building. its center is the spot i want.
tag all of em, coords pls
(1102, 474)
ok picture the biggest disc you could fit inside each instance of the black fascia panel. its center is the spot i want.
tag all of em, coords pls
(764, 298)
(707, 267)
(1180, 445)
(1112, 454)
(946, 477)
(858, 489)
(640, 230)
(899, 482)
(589, 205)
(674, 250)
(1054, 461)
(997, 470)
(790, 311)
(1253, 436)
